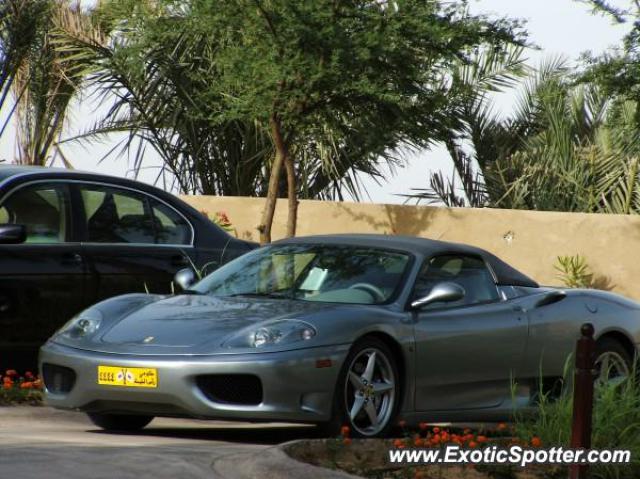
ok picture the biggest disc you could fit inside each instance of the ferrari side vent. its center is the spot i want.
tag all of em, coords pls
(244, 389)
(58, 379)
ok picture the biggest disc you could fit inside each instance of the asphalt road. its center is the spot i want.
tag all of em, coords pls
(45, 443)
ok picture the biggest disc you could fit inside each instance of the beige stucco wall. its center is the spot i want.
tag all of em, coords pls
(529, 240)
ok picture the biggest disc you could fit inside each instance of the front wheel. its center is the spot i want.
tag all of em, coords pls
(367, 394)
(119, 422)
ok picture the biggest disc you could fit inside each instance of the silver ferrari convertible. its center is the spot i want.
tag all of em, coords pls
(347, 329)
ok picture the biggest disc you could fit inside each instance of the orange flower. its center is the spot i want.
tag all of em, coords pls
(37, 384)
(444, 436)
(423, 426)
(481, 439)
(347, 441)
(436, 439)
(345, 430)
(7, 386)
(473, 444)
(502, 427)
(536, 441)
(398, 443)
(26, 385)
(418, 442)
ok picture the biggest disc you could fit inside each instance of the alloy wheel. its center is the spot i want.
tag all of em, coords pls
(611, 367)
(370, 391)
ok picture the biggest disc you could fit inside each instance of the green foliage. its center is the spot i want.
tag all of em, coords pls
(616, 424)
(574, 271)
(42, 78)
(568, 147)
(200, 81)
(20, 21)
(618, 71)
(15, 395)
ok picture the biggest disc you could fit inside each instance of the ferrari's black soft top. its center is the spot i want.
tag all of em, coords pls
(505, 274)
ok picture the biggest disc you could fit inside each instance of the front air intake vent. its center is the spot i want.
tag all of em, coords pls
(242, 389)
(58, 379)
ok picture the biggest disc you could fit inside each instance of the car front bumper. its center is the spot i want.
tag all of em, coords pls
(297, 385)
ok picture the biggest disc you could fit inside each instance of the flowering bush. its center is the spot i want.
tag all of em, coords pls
(20, 389)
(367, 457)
(221, 219)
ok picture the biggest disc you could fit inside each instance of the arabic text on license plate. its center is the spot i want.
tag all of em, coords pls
(132, 377)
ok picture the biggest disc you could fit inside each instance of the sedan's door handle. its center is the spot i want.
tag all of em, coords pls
(180, 260)
(71, 258)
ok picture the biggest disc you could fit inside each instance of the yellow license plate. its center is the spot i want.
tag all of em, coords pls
(131, 377)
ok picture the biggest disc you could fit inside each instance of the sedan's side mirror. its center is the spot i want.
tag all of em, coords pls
(445, 292)
(185, 278)
(12, 234)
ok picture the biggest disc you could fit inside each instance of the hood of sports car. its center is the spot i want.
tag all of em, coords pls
(193, 324)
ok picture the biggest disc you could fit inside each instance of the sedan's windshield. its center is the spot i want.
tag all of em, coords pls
(325, 273)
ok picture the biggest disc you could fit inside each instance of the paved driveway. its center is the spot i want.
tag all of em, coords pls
(45, 443)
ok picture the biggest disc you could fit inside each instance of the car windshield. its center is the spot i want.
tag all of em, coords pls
(323, 273)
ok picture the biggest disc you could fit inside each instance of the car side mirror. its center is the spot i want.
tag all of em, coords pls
(185, 278)
(12, 234)
(445, 292)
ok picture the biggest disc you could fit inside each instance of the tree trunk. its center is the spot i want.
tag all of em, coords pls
(292, 195)
(276, 169)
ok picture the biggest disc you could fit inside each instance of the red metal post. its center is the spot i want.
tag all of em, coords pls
(583, 397)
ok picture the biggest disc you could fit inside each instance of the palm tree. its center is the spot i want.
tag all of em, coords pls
(41, 76)
(19, 23)
(566, 148)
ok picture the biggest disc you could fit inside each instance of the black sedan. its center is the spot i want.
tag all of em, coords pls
(70, 239)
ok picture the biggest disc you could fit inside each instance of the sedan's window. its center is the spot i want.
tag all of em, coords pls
(171, 227)
(322, 273)
(41, 209)
(121, 216)
(467, 271)
(116, 216)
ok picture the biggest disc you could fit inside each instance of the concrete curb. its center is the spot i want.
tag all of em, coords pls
(271, 463)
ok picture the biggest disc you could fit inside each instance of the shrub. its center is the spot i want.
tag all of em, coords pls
(616, 424)
(574, 272)
(17, 389)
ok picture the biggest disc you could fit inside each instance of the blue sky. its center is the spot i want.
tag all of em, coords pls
(557, 27)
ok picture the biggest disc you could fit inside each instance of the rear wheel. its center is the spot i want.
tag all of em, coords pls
(119, 422)
(367, 394)
(612, 363)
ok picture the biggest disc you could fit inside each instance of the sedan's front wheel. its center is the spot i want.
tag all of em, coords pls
(368, 389)
(119, 422)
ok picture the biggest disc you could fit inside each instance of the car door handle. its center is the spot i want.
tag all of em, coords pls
(180, 260)
(71, 258)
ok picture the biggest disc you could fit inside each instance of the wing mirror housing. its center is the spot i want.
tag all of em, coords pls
(185, 278)
(445, 292)
(12, 234)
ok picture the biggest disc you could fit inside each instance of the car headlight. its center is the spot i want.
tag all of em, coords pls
(84, 324)
(276, 332)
